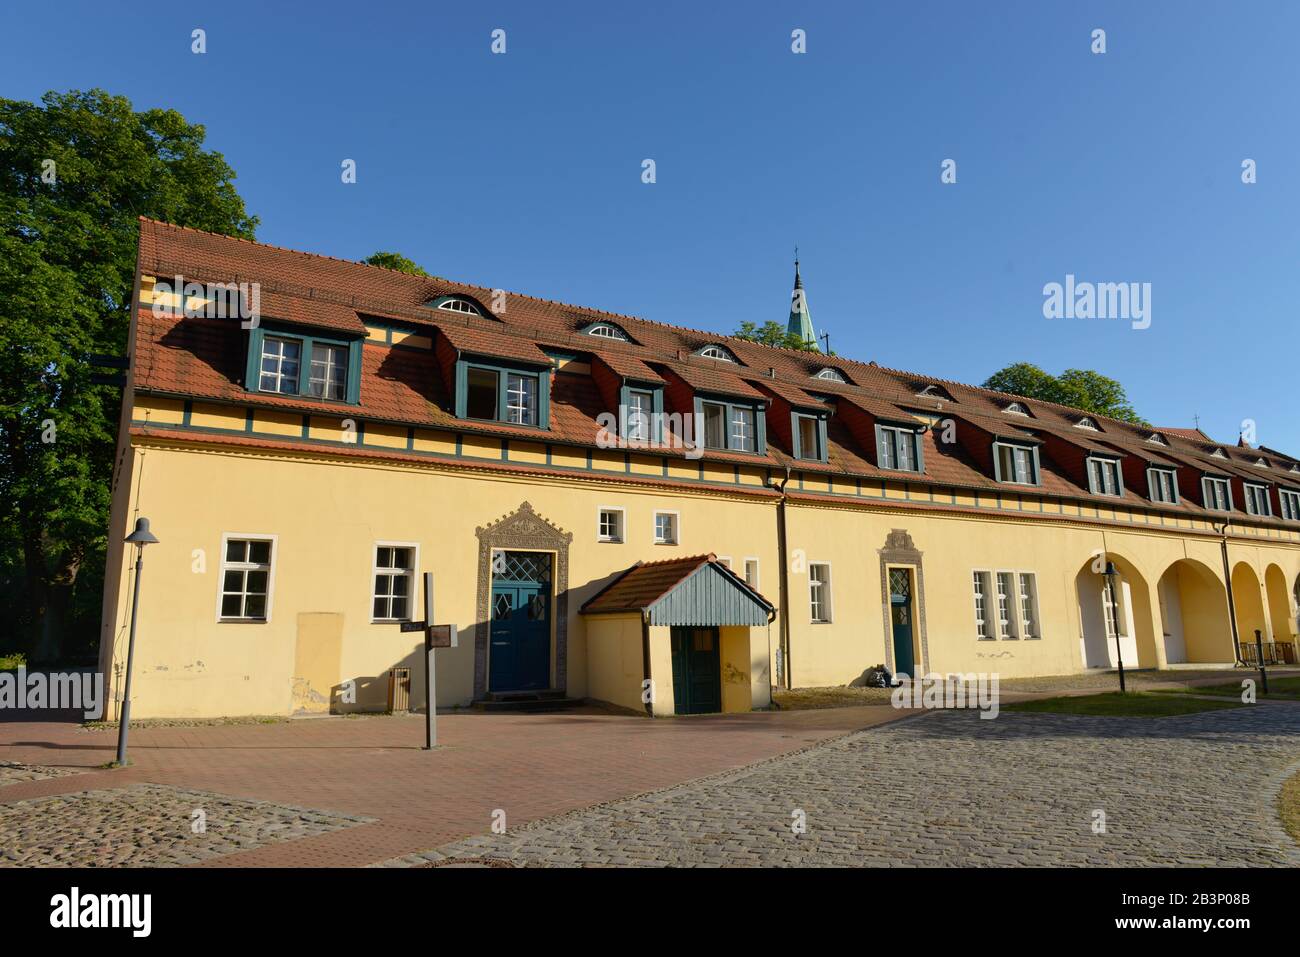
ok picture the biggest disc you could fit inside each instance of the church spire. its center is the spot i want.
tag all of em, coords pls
(800, 323)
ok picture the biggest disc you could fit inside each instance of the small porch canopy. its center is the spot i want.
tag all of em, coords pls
(695, 591)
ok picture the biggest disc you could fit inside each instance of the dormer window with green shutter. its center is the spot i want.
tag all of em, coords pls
(495, 393)
(1104, 476)
(809, 436)
(898, 448)
(1015, 464)
(294, 362)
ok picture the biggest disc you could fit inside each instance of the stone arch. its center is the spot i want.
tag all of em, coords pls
(522, 530)
(1281, 611)
(1194, 621)
(1248, 599)
(1097, 645)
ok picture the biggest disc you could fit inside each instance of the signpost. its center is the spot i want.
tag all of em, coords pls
(435, 636)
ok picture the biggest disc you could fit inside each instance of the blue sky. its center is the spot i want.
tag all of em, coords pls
(523, 170)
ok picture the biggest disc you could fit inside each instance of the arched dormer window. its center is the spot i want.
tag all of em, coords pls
(606, 330)
(1087, 423)
(455, 303)
(831, 375)
(1016, 408)
(1155, 438)
(715, 351)
(932, 391)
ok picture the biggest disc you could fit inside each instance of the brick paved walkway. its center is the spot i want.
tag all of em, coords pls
(530, 766)
(949, 789)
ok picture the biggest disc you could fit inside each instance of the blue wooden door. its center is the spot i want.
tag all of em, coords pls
(900, 617)
(520, 655)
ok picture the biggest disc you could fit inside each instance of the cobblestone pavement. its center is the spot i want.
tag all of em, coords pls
(12, 773)
(950, 789)
(148, 825)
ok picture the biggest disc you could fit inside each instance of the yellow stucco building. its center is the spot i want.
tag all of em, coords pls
(661, 518)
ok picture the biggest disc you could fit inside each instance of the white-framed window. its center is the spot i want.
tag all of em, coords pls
(1290, 505)
(1257, 500)
(247, 562)
(606, 330)
(1155, 438)
(1016, 408)
(609, 524)
(715, 351)
(328, 377)
(280, 361)
(1087, 423)
(751, 573)
(1218, 494)
(1103, 477)
(521, 399)
(831, 375)
(1164, 485)
(462, 306)
(1005, 584)
(819, 592)
(1112, 608)
(742, 429)
(666, 528)
(393, 575)
(983, 585)
(1029, 622)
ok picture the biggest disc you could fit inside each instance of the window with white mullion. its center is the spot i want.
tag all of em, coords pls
(1103, 477)
(983, 595)
(281, 360)
(1164, 485)
(521, 399)
(245, 579)
(1218, 494)
(394, 574)
(1028, 583)
(1290, 505)
(1257, 502)
(1016, 464)
(329, 371)
(1006, 607)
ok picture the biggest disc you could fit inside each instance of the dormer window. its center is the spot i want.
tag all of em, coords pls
(1261, 463)
(1017, 464)
(457, 304)
(1016, 408)
(899, 449)
(1257, 501)
(1219, 454)
(606, 330)
(1087, 423)
(715, 351)
(1155, 438)
(283, 361)
(1104, 476)
(932, 391)
(831, 375)
(1217, 494)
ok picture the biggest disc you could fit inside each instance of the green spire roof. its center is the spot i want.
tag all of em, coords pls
(800, 323)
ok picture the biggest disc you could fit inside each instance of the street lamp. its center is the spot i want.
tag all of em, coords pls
(139, 538)
(1110, 574)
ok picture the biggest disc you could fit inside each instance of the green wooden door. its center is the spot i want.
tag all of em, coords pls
(900, 617)
(520, 655)
(697, 671)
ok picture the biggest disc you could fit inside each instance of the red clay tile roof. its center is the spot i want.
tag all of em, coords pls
(642, 585)
(201, 358)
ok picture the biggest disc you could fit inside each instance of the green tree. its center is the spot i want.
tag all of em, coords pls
(1079, 388)
(772, 333)
(76, 172)
(394, 261)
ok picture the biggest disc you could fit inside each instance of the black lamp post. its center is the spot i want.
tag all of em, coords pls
(139, 538)
(1110, 574)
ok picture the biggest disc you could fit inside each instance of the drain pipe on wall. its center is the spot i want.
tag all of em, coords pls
(1227, 578)
(784, 646)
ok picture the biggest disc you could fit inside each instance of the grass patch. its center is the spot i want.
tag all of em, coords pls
(811, 699)
(1135, 704)
(1287, 688)
(1288, 806)
(12, 662)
